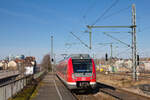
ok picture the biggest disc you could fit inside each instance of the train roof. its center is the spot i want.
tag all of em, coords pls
(79, 56)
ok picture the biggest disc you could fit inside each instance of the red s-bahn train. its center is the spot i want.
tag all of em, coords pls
(77, 71)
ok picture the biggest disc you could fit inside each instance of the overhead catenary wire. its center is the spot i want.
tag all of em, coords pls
(145, 29)
(107, 10)
(122, 36)
(79, 40)
(110, 15)
(117, 12)
(87, 11)
(83, 20)
(116, 39)
(124, 51)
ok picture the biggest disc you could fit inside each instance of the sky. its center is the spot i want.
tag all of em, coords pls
(27, 25)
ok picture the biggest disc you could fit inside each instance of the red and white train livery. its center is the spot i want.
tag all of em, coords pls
(77, 71)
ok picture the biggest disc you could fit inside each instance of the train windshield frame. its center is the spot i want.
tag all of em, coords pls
(82, 65)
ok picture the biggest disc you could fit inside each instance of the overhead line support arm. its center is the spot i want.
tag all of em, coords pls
(91, 26)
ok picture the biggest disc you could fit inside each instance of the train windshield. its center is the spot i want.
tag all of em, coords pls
(82, 65)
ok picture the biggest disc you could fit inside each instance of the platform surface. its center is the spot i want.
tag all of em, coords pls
(51, 88)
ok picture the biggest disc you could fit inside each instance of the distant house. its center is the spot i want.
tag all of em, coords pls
(129, 63)
(3, 64)
(147, 66)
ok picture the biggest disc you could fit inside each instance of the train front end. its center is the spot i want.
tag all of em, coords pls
(82, 73)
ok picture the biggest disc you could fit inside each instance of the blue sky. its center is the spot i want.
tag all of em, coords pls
(26, 26)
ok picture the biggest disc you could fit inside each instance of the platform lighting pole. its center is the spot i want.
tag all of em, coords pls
(133, 27)
(90, 38)
(52, 52)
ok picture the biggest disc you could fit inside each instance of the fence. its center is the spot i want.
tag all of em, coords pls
(10, 89)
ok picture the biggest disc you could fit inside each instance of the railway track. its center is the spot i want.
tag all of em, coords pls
(79, 95)
(62, 89)
(120, 94)
(113, 92)
(88, 94)
(129, 74)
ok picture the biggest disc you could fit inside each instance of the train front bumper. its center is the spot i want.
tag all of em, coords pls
(74, 85)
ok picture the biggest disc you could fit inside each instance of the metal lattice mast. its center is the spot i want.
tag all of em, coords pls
(134, 55)
(133, 27)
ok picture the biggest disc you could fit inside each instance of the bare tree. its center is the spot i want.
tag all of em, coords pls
(46, 63)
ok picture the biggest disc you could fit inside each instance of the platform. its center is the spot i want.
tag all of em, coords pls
(52, 89)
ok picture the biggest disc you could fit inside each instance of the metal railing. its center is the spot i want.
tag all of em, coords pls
(11, 88)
